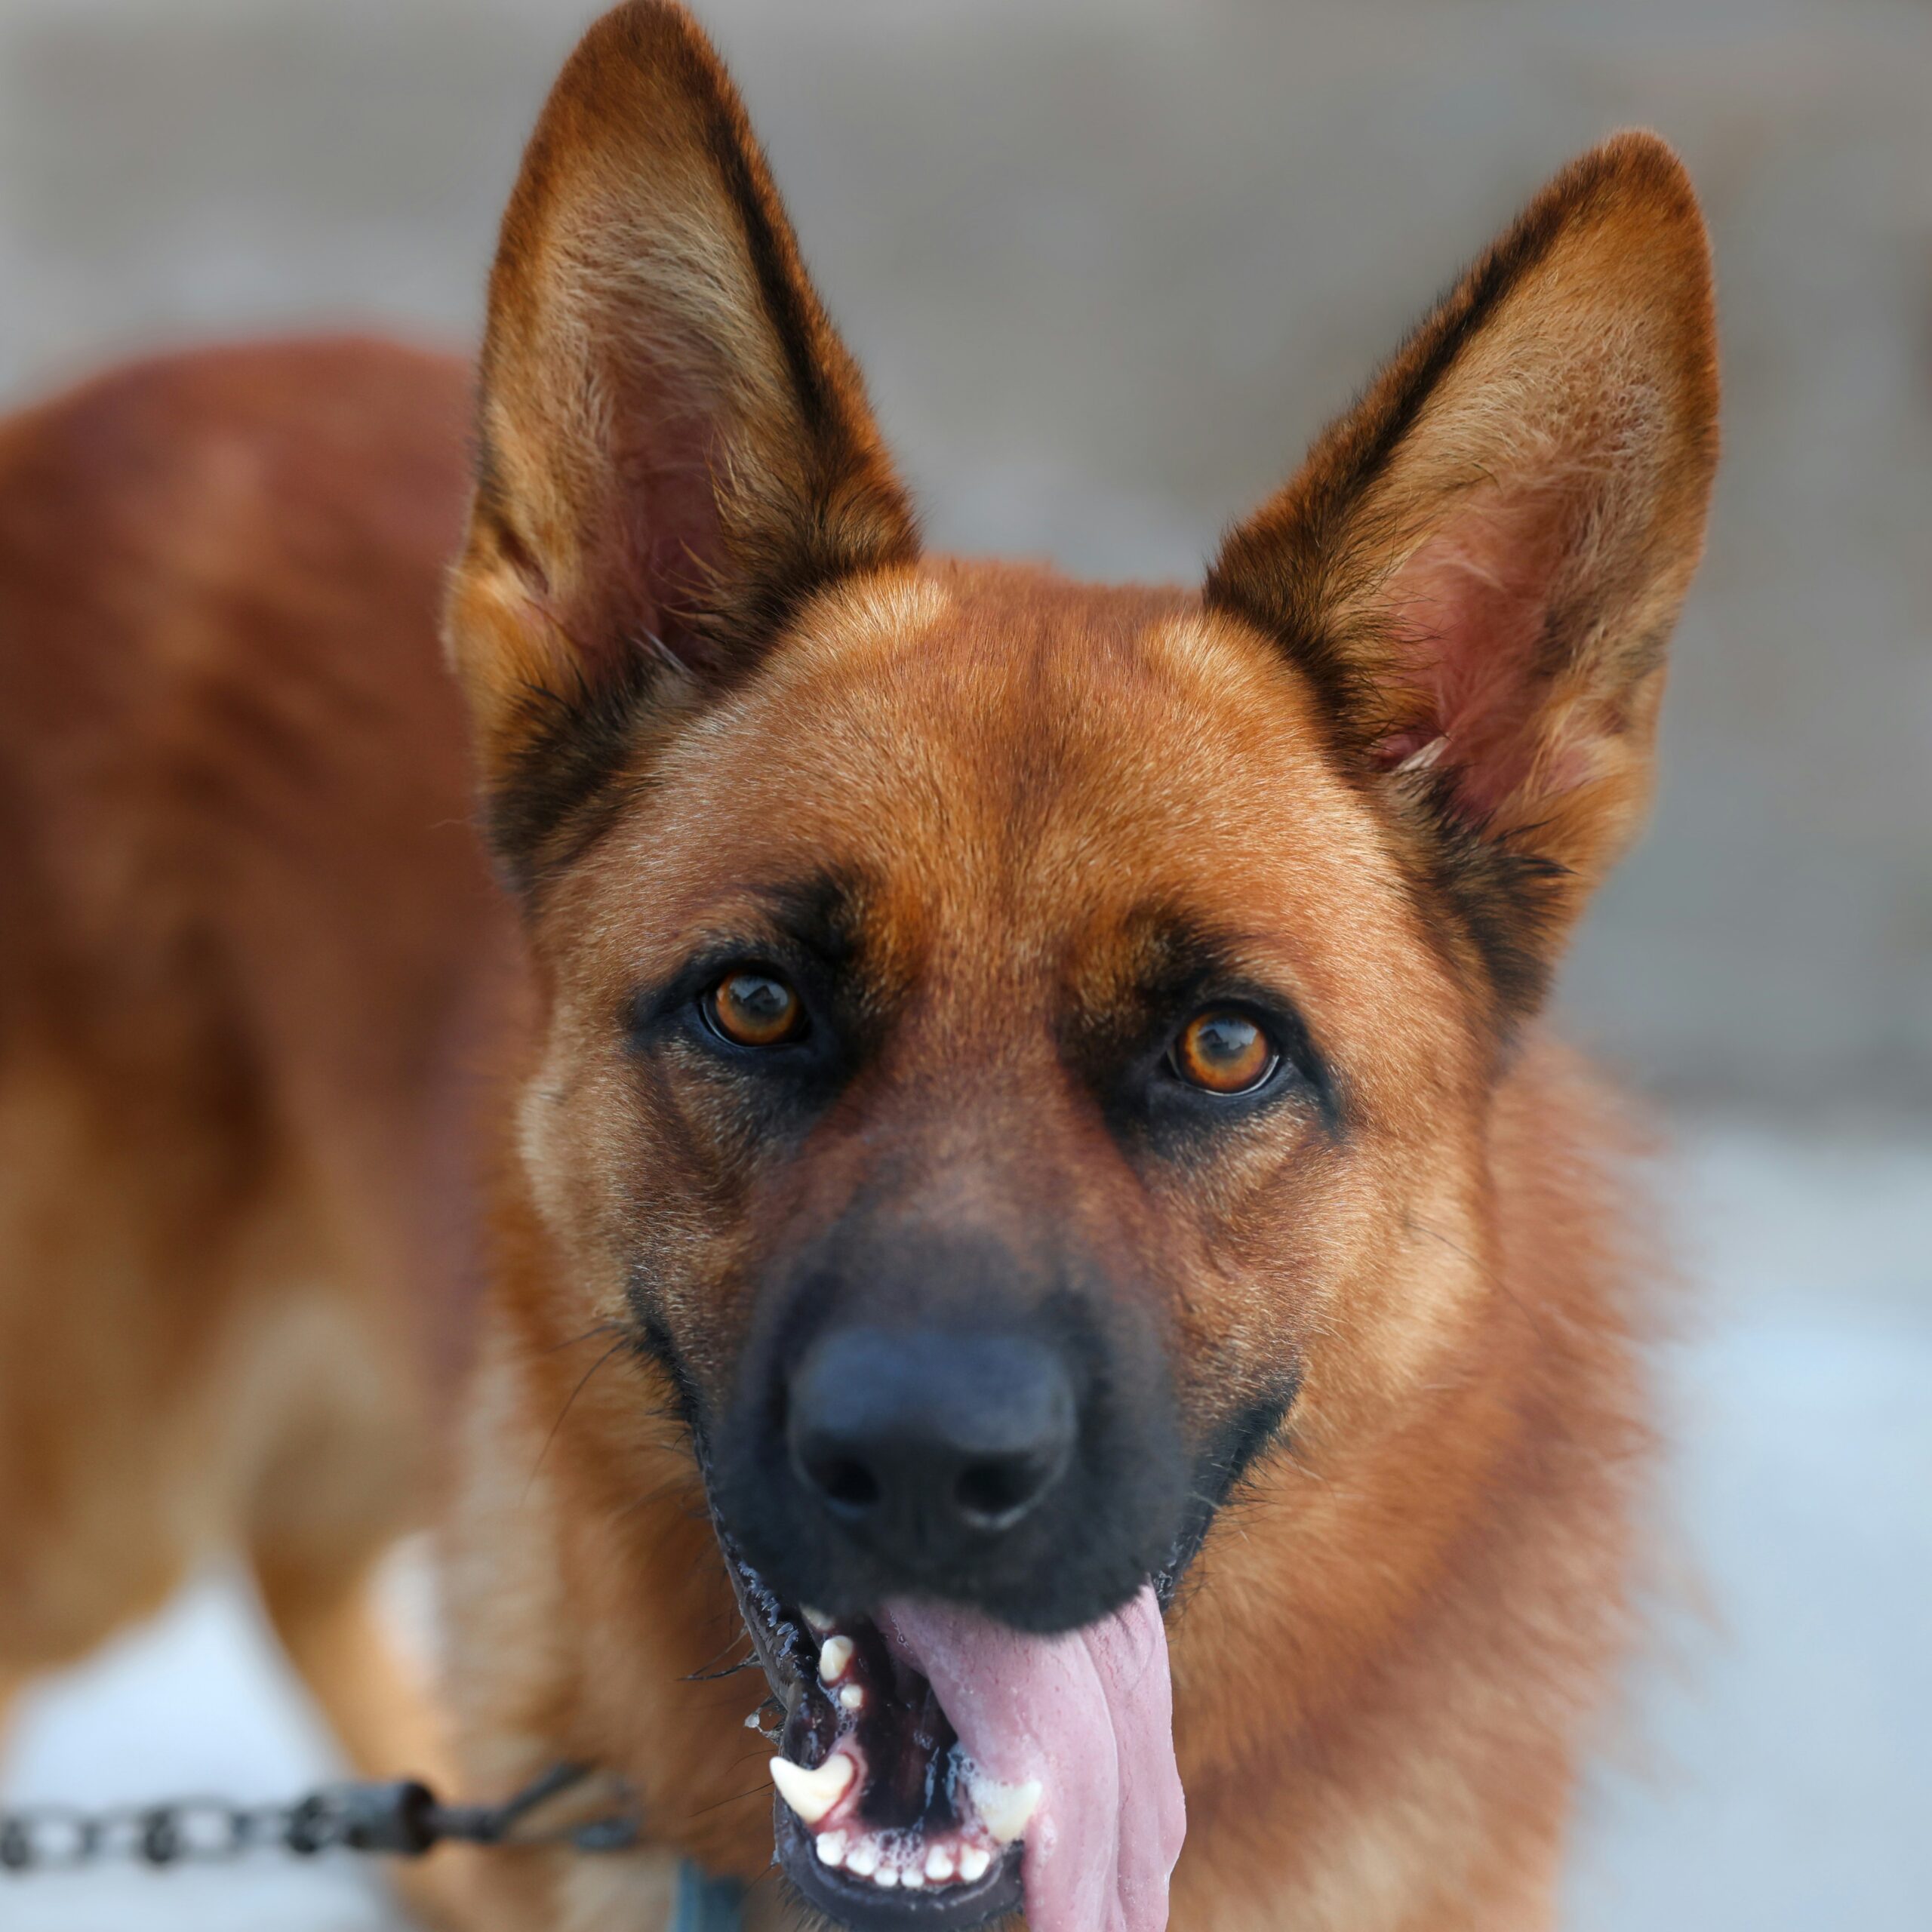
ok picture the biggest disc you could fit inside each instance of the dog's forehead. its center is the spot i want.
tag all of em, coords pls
(1005, 756)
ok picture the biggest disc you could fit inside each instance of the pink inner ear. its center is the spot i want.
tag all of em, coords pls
(677, 544)
(655, 540)
(1471, 611)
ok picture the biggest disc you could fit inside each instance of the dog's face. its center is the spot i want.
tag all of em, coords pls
(1014, 1050)
(974, 1015)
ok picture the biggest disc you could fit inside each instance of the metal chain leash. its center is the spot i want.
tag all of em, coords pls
(402, 1819)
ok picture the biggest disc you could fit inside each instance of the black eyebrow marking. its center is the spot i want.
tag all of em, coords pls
(1179, 962)
(810, 928)
(821, 913)
(1178, 955)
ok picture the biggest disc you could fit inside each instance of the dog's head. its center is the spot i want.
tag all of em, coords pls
(1008, 1044)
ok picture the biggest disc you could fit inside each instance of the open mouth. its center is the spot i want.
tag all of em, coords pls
(882, 1818)
(935, 1768)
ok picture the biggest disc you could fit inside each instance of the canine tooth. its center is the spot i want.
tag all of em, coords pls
(1005, 1809)
(973, 1859)
(751, 1722)
(886, 1876)
(830, 1847)
(834, 1659)
(853, 1697)
(812, 1794)
(817, 1619)
(939, 1864)
(862, 1861)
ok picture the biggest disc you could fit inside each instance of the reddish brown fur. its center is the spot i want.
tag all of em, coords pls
(243, 937)
(1413, 1611)
(1387, 1653)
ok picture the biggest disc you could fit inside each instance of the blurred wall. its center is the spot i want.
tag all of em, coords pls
(1109, 263)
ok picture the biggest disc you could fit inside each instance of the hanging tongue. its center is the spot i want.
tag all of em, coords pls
(1090, 1716)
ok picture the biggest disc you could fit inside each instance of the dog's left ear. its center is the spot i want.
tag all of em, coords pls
(1478, 566)
(675, 450)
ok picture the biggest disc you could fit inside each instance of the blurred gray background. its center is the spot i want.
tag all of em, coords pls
(1108, 264)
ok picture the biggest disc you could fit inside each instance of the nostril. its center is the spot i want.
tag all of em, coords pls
(842, 1479)
(990, 1495)
(927, 1443)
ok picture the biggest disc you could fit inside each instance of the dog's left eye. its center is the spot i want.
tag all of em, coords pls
(752, 1008)
(1222, 1050)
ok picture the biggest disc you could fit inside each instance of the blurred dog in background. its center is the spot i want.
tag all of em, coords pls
(244, 931)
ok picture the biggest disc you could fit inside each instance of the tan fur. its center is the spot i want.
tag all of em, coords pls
(1384, 754)
(1403, 1717)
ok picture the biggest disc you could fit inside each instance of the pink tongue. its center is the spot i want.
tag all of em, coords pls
(1090, 1715)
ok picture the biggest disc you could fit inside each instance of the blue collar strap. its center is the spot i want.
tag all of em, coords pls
(706, 1904)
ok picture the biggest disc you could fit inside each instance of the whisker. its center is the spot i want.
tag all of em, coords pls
(731, 1642)
(582, 1383)
(705, 1674)
(589, 1335)
(737, 1798)
(672, 1487)
(715, 1676)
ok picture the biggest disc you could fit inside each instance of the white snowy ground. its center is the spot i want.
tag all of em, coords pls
(1782, 1781)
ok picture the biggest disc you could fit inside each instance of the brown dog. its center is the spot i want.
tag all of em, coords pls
(241, 918)
(1027, 1129)
(233, 985)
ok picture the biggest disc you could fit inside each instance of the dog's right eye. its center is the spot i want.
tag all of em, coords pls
(750, 1007)
(1223, 1051)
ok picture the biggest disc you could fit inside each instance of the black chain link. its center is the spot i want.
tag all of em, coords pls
(403, 1820)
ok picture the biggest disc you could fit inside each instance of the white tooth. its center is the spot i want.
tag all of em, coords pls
(831, 1848)
(853, 1697)
(939, 1864)
(817, 1619)
(862, 1860)
(1005, 1809)
(973, 1859)
(886, 1876)
(812, 1794)
(911, 1878)
(834, 1658)
(751, 1722)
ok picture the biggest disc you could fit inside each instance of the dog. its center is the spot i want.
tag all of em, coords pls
(242, 919)
(1024, 1195)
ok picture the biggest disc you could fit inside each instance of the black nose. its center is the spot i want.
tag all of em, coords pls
(926, 1444)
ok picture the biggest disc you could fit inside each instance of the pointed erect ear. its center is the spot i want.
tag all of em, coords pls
(1479, 565)
(675, 448)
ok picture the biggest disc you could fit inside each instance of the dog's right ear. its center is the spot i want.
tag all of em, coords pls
(1478, 566)
(675, 448)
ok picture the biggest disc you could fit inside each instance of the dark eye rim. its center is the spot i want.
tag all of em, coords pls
(676, 1015)
(1280, 1056)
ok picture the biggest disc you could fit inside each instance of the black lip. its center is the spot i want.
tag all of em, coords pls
(785, 1651)
(862, 1906)
(776, 1634)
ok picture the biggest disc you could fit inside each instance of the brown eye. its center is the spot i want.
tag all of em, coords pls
(756, 1010)
(1225, 1052)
